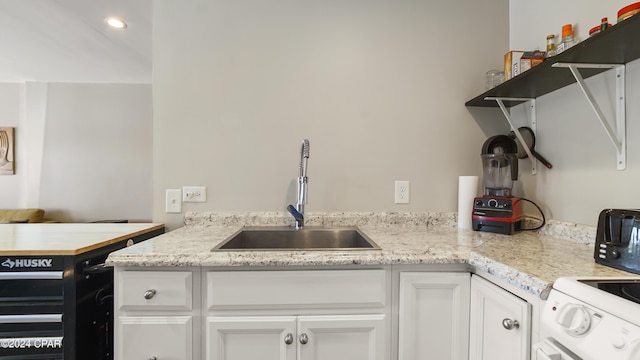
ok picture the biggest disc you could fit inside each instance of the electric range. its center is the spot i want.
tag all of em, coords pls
(591, 319)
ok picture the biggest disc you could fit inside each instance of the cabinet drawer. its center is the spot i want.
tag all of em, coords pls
(154, 337)
(316, 289)
(154, 290)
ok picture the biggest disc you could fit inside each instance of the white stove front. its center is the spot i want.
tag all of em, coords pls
(580, 321)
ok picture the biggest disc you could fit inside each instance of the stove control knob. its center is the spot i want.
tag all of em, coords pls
(575, 319)
(493, 203)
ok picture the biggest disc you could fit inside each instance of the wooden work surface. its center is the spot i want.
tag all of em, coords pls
(66, 238)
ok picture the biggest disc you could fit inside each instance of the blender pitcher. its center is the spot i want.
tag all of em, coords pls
(499, 166)
(499, 173)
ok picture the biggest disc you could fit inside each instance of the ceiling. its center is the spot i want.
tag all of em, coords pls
(69, 41)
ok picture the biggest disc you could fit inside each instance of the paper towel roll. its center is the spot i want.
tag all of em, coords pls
(467, 190)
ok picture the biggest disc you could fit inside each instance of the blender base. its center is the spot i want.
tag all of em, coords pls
(502, 215)
(498, 227)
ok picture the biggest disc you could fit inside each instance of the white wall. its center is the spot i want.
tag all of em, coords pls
(34, 110)
(378, 87)
(10, 117)
(83, 150)
(584, 179)
(531, 21)
(97, 151)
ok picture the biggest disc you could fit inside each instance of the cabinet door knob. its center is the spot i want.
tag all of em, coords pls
(304, 338)
(149, 294)
(288, 339)
(510, 324)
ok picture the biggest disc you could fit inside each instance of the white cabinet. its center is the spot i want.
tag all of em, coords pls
(336, 337)
(302, 289)
(433, 316)
(346, 337)
(500, 323)
(316, 314)
(155, 290)
(154, 337)
(155, 315)
(297, 315)
(251, 337)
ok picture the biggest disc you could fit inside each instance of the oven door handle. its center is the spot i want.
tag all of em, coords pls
(548, 351)
(26, 319)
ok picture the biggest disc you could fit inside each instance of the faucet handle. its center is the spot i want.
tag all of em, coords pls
(296, 214)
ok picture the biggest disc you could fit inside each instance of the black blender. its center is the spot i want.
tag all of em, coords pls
(498, 211)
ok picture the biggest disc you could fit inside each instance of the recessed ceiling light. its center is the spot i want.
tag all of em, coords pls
(116, 22)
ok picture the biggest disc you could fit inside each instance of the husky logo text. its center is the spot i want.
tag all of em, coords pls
(27, 263)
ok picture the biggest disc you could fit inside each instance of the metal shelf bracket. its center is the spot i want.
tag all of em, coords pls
(532, 124)
(618, 136)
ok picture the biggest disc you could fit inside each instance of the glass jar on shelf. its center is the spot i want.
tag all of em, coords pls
(493, 78)
(551, 45)
(568, 40)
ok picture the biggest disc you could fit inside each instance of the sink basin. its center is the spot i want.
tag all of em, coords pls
(288, 238)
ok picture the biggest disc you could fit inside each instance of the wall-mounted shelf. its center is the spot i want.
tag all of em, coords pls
(617, 45)
(610, 49)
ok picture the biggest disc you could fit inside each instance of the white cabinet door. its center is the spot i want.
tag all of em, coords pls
(492, 310)
(433, 316)
(251, 337)
(342, 337)
(154, 337)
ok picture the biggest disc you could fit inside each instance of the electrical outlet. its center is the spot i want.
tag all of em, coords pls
(194, 194)
(402, 192)
(173, 201)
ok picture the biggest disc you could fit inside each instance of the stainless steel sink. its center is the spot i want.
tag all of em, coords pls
(288, 238)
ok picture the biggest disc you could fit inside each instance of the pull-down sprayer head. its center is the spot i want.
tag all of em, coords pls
(304, 156)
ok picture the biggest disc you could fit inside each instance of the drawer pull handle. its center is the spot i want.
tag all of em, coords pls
(149, 294)
(32, 275)
(510, 324)
(304, 339)
(288, 339)
(30, 318)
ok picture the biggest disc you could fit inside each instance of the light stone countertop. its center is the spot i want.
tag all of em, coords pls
(529, 260)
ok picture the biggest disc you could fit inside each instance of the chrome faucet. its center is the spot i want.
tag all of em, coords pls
(301, 197)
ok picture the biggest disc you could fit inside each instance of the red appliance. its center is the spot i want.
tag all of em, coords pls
(498, 211)
(497, 214)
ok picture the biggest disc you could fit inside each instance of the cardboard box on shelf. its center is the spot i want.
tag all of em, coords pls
(511, 61)
(530, 59)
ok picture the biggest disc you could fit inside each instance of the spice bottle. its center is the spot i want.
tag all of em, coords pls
(567, 39)
(551, 45)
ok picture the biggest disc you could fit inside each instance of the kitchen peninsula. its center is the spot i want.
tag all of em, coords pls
(175, 287)
(55, 291)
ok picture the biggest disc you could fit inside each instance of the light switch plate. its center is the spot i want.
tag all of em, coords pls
(173, 201)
